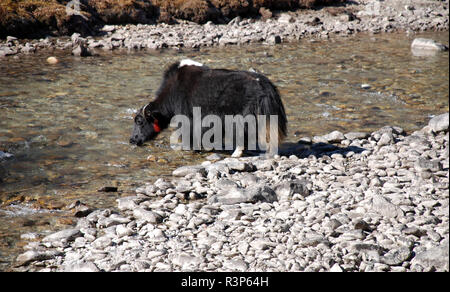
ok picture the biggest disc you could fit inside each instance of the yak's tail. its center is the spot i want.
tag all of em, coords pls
(271, 104)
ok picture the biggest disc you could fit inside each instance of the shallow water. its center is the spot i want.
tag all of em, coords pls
(68, 124)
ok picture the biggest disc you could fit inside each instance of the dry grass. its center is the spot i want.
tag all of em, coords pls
(122, 11)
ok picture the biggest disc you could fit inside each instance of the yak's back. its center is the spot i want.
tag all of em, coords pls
(189, 84)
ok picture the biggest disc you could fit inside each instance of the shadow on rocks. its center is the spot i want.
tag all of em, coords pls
(303, 150)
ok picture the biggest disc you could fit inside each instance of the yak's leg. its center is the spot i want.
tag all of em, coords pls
(273, 138)
(238, 151)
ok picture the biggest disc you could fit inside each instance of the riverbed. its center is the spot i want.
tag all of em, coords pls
(67, 125)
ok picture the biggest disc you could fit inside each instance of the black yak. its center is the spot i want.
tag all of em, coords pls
(188, 86)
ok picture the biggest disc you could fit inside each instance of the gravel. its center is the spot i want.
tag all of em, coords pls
(383, 208)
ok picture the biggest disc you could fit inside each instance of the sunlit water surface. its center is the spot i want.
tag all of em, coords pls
(68, 124)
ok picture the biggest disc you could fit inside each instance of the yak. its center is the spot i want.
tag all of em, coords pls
(188, 85)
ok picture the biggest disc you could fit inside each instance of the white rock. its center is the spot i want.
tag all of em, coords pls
(336, 268)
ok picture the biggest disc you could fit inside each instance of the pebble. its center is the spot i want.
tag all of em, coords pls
(52, 60)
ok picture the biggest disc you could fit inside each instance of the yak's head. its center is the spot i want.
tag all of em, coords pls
(147, 124)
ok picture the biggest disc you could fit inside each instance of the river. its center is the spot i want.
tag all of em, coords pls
(67, 125)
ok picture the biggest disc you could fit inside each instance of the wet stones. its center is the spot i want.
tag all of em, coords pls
(52, 60)
(6, 51)
(427, 44)
(81, 51)
(5, 155)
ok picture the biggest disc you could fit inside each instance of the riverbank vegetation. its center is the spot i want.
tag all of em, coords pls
(34, 18)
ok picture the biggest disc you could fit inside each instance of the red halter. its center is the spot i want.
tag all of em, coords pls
(156, 126)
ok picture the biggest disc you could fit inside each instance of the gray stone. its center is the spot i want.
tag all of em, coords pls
(81, 267)
(336, 268)
(363, 225)
(265, 164)
(385, 208)
(237, 165)
(102, 242)
(217, 169)
(248, 179)
(108, 28)
(286, 190)
(225, 184)
(356, 135)
(235, 21)
(260, 194)
(233, 196)
(34, 255)
(214, 157)
(439, 123)
(319, 139)
(63, 235)
(148, 189)
(148, 216)
(286, 18)
(28, 48)
(81, 51)
(5, 51)
(235, 265)
(427, 44)
(185, 170)
(5, 155)
(251, 194)
(112, 220)
(334, 137)
(187, 262)
(75, 38)
(437, 257)
(396, 257)
(262, 244)
(313, 239)
(10, 39)
(385, 139)
(413, 230)
(127, 203)
(424, 164)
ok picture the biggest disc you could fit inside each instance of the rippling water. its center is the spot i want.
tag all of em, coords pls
(68, 124)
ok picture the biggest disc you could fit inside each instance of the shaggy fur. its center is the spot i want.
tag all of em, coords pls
(216, 91)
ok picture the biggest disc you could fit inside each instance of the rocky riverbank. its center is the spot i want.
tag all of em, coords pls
(343, 202)
(24, 18)
(270, 27)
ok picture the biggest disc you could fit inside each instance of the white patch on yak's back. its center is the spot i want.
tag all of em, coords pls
(189, 62)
